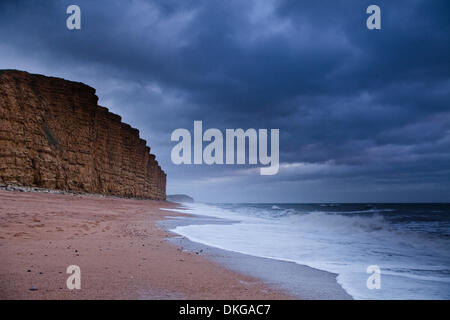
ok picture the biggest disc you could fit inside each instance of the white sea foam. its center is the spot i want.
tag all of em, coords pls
(413, 266)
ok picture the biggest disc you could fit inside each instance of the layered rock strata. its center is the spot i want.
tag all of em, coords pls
(54, 135)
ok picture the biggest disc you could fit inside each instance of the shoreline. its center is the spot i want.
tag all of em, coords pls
(299, 281)
(126, 251)
(121, 250)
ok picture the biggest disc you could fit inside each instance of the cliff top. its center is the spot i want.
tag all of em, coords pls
(31, 77)
(23, 74)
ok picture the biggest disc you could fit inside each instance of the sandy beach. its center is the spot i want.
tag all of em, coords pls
(121, 249)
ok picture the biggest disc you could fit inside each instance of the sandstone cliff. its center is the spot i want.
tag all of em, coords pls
(54, 135)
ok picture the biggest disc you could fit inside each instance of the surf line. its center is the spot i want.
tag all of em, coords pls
(213, 153)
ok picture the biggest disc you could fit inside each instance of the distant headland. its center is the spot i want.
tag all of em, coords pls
(180, 198)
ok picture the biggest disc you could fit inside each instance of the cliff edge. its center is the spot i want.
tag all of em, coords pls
(54, 135)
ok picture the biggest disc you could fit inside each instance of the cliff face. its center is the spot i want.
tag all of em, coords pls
(54, 135)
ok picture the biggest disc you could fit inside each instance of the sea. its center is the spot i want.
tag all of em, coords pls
(405, 246)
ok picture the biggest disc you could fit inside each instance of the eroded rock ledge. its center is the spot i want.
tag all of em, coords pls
(54, 135)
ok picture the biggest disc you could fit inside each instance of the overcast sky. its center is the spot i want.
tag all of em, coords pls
(364, 115)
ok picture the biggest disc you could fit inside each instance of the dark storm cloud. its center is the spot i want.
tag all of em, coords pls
(352, 104)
